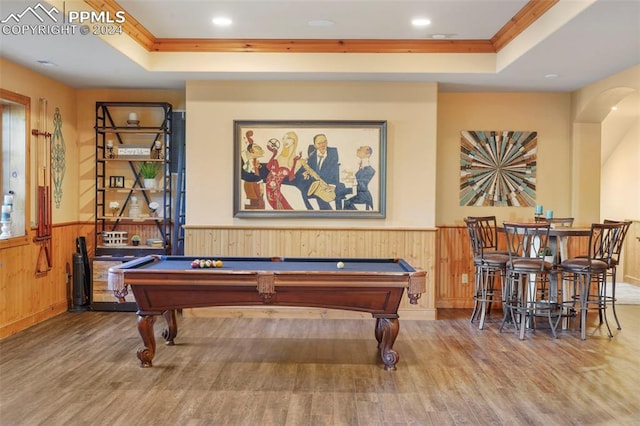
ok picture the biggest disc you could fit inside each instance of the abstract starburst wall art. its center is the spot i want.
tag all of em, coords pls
(498, 168)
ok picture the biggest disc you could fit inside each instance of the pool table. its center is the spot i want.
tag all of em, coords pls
(163, 284)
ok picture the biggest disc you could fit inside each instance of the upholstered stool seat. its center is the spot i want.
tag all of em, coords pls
(492, 259)
(530, 265)
(583, 264)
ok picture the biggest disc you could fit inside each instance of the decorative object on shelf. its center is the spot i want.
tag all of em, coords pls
(114, 238)
(498, 168)
(8, 199)
(148, 172)
(135, 240)
(133, 119)
(134, 208)
(539, 209)
(155, 242)
(114, 206)
(135, 152)
(7, 208)
(157, 150)
(116, 181)
(6, 213)
(109, 152)
(153, 209)
(549, 214)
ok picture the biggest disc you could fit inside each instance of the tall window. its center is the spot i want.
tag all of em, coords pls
(14, 154)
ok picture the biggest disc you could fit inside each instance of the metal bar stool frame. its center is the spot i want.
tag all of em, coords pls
(489, 266)
(528, 292)
(613, 265)
(586, 271)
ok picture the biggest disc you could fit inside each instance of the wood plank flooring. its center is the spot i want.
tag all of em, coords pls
(81, 369)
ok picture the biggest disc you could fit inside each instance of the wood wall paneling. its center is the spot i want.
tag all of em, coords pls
(455, 259)
(29, 298)
(415, 246)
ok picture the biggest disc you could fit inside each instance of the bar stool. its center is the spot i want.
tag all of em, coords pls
(587, 272)
(528, 293)
(489, 264)
(613, 265)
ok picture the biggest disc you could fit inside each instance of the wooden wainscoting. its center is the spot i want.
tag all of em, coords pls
(417, 246)
(455, 260)
(28, 297)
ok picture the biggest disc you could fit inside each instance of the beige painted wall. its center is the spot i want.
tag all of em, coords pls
(592, 103)
(620, 159)
(409, 108)
(616, 137)
(546, 113)
(26, 297)
(605, 157)
(25, 82)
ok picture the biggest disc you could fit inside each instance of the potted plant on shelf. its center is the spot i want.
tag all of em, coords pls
(135, 240)
(545, 252)
(149, 171)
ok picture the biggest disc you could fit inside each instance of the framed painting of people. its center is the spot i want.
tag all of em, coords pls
(310, 169)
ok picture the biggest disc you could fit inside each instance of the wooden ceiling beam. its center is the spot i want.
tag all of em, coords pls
(131, 26)
(322, 46)
(521, 21)
(516, 25)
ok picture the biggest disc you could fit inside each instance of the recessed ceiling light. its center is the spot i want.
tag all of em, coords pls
(47, 63)
(321, 23)
(442, 36)
(551, 76)
(420, 22)
(222, 21)
(614, 108)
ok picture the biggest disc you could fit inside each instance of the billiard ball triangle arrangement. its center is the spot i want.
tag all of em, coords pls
(206, 263)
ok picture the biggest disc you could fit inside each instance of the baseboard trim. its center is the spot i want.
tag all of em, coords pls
(33, 319)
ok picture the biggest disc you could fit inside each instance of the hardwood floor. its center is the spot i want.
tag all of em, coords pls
(81, 369)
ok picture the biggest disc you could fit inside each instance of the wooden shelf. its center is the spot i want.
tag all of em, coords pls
(132, 247)
(132, 219)
(130, 146)
(126, 190)
(134, 159)
(141, 130)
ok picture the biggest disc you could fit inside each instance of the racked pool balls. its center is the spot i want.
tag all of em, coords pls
(206, 263)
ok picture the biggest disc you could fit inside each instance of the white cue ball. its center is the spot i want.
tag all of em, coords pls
(340, 265)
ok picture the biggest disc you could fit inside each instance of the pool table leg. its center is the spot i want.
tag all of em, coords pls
(171, 331)
(386, 332)
(145, 328)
